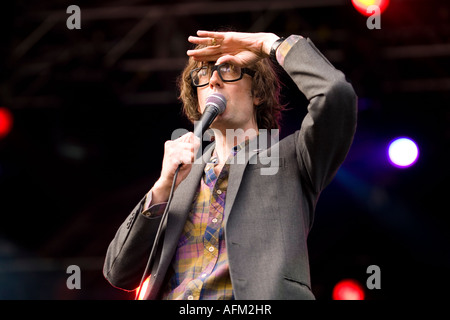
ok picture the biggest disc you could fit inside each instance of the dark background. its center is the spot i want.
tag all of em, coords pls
(93, 107)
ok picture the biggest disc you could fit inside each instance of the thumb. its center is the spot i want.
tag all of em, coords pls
(196, 142)
(227, 59)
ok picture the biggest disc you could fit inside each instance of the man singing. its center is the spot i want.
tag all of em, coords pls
(233, 232)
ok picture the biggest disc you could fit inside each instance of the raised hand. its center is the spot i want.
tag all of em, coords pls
(238, 48)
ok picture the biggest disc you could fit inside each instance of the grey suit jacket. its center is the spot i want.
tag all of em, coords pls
(267, 217)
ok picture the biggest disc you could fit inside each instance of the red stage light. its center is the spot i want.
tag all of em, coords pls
(6, 122)
(362, 5)
(348, 289)
(141, 291)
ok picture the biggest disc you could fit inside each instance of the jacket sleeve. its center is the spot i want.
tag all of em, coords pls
(327, 131)
(128, 252)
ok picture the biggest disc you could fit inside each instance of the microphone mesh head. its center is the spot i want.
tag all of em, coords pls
(217, 100)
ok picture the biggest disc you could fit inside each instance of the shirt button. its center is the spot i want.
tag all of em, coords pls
(191, 298)
(146, 213)
(204, 275)
(214, 220)
(219, 191)
(211, 249)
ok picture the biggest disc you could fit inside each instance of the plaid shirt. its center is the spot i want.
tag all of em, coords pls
(200, 266)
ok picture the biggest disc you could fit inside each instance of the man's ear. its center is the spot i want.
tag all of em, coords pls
(256, 101)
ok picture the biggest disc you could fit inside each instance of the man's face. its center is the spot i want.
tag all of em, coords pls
(239, 112)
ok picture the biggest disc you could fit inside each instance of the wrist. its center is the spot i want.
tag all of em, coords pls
(274, 48)
(161, 190)
(268, 42)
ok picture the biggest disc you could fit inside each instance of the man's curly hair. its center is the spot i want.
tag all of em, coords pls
(265, 86)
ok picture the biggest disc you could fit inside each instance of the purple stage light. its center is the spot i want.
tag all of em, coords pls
(403, 152)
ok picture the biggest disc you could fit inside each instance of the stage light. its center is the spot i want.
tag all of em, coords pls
(6, 122)
(403, 152)
(362, 5)
(348, 289)
(141, 291)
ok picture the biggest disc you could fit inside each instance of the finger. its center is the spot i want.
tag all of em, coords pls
(204, 55)
(196, 143)
(228, 59)
(208, 41)
(191, 144)
(181, 157)
(208, 50)
(187, 157)
(185, 137)
(197, 40)
(211, 34)
(182, 148)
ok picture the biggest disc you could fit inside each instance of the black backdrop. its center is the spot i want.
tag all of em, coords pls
(93, 107)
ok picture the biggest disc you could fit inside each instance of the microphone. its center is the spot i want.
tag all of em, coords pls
(215, 105)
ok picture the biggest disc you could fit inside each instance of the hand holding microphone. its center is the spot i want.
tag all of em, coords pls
(179, 154)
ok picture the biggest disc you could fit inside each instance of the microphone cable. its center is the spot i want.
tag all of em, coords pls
(158, 235)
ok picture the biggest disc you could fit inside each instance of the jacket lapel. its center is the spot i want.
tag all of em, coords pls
(238, 166)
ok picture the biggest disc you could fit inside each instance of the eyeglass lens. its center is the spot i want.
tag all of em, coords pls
(227, 72)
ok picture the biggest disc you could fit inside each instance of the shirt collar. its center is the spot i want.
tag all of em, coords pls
(214, 160)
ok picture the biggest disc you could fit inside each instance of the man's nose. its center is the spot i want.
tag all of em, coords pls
(215, 80)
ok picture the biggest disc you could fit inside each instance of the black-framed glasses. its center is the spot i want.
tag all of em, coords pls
(227, 73)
